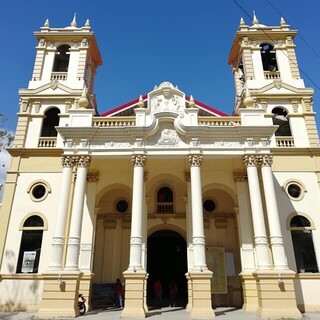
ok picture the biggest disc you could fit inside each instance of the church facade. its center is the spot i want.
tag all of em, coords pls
(163, 187)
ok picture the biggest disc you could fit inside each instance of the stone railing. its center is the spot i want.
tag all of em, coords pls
(285, 142)
(47, 142)
(219, 121)
(165, 207)
(114, 122)
(272, 75)
(59, 75)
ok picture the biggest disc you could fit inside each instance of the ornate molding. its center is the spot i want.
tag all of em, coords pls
(267, 160)
(252, 160)
(139, 160)
(195, 160)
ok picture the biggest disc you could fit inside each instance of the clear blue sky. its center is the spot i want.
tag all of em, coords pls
(145, 42)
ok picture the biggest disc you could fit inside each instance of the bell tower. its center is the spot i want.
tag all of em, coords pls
(267, 79)
(65, 66)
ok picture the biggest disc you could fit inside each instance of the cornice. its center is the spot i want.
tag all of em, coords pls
(35, 152)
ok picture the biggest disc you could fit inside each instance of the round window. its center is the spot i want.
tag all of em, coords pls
(39, 191)
(122, 206)
(294, 190)
(209, 205)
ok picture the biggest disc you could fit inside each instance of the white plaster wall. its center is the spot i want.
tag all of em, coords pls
(33, 133)
(22, 206)
(23, 293)
(283, 64)
(307, 293)
(299, 132)
(257, 65)
(309, 206)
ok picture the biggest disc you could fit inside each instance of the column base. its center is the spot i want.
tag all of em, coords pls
(135, 295)
(201, 304)
(60, 295)
(276, 294)
(250, 292)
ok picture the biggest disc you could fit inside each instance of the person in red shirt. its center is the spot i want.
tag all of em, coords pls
(173, 289)
(118, 294)
(157, 288)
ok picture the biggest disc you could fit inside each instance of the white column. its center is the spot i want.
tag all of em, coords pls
(82, 163)
(276, 239)
(260, 236)
(189, 222)
(198, 238)
(135, 262)
(60, 227)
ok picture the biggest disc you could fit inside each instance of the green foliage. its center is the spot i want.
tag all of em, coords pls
(6, 138)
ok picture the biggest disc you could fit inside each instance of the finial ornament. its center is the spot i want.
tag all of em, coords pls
(248, 101)
(74, 21)
(191, 102)
(46, 24)
(83, 101)
(242, 23)
(140, 102)
(87, 24)
(255, 20)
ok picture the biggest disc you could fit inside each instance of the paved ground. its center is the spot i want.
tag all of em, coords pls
(157, 314)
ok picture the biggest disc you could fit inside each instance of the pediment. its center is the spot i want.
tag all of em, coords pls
(53, 87)
(278, 87)
(165, 98)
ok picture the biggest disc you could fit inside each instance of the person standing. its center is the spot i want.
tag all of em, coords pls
(173, 289)
(118, 294)
(157, 288)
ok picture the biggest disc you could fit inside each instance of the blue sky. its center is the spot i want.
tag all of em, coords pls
(145, 42)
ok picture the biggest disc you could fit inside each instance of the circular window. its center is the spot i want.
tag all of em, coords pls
(294, 190)
(122, 206)
(209, 205)
(39, 191)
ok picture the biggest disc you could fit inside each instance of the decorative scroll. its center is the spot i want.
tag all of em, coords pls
(138, 160)
(195, 160)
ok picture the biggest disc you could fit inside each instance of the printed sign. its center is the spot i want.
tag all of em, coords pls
(29, 258)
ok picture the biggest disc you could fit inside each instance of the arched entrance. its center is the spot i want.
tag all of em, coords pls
(167, 260)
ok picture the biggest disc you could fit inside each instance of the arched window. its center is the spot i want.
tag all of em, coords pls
(304, 253)
(61, 59)
(165, 200)
(49, 122)
(268, 56)
(280, 119)
(30, 246)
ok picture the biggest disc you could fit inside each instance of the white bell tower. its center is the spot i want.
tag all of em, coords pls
(267, 79)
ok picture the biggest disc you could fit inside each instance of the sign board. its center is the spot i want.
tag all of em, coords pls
(29, 258)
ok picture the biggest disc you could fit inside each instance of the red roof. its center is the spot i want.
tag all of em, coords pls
(132, 103)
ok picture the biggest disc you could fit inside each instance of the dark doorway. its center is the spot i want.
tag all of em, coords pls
(167, 261)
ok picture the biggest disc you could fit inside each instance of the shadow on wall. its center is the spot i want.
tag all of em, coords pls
(13, 291)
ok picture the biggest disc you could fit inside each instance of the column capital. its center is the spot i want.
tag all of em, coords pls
(195, 160)
(82, 161)
(67, 161)
(138, 160)
(93, 176)
(252, 160)
(267, 160)
(240, 175)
